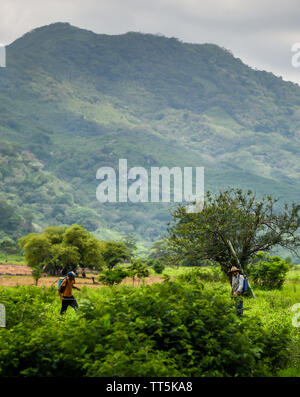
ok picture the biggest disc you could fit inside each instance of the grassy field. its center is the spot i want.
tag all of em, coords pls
(11, 259)
(276, 306)
(293, 276)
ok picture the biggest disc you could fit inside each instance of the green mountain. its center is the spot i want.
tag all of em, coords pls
(72, 101)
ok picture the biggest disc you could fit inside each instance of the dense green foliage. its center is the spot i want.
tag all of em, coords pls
(36, 197)
(73, 101)
(268, 272)
(8, 246)
(203, 275)
(169, 329)
(12, 223)
(114, 252)
(157, 265)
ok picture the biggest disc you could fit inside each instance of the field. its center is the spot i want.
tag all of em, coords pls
(13, 275)
(180, 327)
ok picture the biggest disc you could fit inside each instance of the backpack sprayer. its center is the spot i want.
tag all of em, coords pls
(239, 265)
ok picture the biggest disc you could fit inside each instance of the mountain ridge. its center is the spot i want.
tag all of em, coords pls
(78, 100)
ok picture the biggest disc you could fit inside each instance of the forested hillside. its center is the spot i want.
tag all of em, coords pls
(72, 101)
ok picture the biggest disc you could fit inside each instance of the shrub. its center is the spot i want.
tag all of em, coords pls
(203, 274)
(158, 266)
(138, 270)
(168, 329)
(113, 276)
(268, 272)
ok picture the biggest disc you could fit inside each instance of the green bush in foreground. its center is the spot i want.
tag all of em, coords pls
(168, 329)
(203, 274)
(113, 276)
(158, 266)
(268, 272)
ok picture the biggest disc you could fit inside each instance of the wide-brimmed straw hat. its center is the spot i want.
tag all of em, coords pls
(234, 269)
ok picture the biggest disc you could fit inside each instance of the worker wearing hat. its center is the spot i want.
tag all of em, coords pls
(237, 282)
(65, 292)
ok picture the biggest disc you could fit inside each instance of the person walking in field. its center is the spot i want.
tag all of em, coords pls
(65, 292)
(237, 284)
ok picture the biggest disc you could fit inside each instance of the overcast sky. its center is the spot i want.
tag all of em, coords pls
(260, 32)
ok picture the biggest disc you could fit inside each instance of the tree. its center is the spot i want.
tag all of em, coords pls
(138, 270)
(64, 258)
(77, 236)
(89, 248)
(55, 234)
(249, 224)
(37, 249)
(158, 266)
(92, 256)
(62, 249)
(114, 252)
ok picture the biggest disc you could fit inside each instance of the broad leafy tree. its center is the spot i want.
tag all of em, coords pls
(62, 249)
(233, 219)
(37, 249)
(114, 252)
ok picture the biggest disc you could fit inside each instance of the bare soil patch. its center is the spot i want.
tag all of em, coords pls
(14, 275)
(14, 270)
